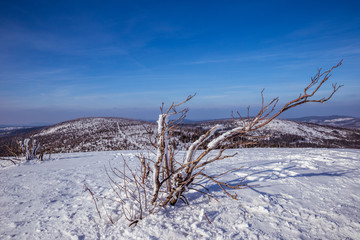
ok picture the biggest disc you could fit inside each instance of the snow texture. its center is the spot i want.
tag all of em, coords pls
(302, 194)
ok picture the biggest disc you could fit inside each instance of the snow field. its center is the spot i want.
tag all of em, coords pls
(301, 194)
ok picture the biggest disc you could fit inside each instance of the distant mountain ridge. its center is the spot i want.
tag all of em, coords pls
(334, 120)
(8, 131)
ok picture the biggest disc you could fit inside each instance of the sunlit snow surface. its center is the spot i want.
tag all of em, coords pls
(302, 194)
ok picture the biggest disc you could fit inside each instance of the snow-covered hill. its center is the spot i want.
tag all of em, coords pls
(100, 134)
(302, 194)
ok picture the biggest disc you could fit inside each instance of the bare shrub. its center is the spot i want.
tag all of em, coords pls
(27, 149)
(164, 178)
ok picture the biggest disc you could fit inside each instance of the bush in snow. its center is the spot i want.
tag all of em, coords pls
(166, 179)
(30, 148)
(27, 149)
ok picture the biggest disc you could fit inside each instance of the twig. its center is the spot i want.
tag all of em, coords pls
(93, 197)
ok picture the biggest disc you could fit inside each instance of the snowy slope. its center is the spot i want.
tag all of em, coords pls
(95, 134)
(302, 194)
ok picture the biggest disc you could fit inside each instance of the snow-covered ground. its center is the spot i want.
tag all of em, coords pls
(302, 194)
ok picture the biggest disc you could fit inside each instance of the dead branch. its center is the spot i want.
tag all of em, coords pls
(207, 218)
(93, 197)
(107, 214)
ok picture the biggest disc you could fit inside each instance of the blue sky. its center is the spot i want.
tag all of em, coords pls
(61, 60)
